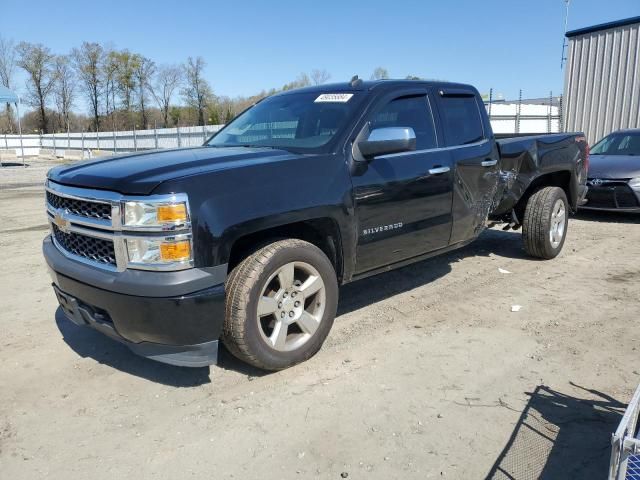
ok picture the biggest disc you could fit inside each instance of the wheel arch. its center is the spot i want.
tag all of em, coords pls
(558, 178)
(323, 232)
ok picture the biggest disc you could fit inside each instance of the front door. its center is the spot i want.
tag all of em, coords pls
(403, 200)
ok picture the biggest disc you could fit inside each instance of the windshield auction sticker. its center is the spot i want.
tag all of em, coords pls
(334, 97)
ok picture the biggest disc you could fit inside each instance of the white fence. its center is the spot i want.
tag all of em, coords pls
(91, 143)
(506, 118)
(515, 118)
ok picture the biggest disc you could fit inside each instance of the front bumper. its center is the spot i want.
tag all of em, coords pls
(180, 327)
(612, 196)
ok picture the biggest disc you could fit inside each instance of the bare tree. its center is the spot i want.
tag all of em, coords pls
(197, 92)
(301, 81)
(380, 73)
(109, 69)
(168, 79)
(143, 72)
(38, 61)
(88, 61)
(64, 88)
(7, 67)
(318, 77)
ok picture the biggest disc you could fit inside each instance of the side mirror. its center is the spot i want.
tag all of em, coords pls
(384, 141)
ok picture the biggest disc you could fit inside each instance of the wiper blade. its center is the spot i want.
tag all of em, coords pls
(240, 145)
(258, 146)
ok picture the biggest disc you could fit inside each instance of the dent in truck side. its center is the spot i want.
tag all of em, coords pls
(531, 162)
(476, 162)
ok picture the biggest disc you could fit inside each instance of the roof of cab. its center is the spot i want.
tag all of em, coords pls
(374, 84)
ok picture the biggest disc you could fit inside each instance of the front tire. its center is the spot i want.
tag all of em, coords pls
(546, 218)
(281, 303)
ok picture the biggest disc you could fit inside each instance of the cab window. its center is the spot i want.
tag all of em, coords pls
(461, 120)
(413, 112)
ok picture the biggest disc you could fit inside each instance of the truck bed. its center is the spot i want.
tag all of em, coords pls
(524, 159)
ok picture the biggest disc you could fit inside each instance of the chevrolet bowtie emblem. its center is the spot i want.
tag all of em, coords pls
(62, 223)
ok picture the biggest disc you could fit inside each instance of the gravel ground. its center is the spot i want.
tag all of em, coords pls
(427, 372)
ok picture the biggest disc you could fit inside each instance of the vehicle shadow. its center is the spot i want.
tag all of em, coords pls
(560, 436)
(608, 217)
(87, 342)
(359, 294)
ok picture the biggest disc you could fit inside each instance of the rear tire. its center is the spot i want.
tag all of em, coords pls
(546, 217)
(281, 303)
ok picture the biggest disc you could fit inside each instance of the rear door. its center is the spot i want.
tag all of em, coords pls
(403, 200)
(475, 159)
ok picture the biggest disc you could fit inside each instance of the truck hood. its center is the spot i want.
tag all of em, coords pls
(614, 166)
(141, 173)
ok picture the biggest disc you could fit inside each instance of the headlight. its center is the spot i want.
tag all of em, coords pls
(155, 216)
(159, 253)
(167, 245)
(635, 183)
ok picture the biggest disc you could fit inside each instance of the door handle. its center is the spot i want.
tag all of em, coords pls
(489, 163)
(438, 170)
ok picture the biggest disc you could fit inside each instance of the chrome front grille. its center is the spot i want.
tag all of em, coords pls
(94, 249)
(87, 226)
(82, 208)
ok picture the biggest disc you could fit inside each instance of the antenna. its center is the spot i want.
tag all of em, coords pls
(564, 38)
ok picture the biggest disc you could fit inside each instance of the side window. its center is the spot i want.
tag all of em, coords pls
(461, 120)
(411, 112)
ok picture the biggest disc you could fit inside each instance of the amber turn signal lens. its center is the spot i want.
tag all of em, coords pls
(175, 251)
(172, 213)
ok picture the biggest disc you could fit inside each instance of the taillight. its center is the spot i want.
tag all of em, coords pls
(587, 150)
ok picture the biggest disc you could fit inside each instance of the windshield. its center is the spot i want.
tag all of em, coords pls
(300, 122)
(622, 143)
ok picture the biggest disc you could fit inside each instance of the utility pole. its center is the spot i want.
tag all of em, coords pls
(563, 58)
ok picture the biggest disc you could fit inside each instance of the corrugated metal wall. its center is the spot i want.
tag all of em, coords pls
(602, 82)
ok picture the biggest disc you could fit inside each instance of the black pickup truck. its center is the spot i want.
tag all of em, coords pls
(246, 239)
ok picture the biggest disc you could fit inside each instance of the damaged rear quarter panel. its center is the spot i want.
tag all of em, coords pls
(524, 159)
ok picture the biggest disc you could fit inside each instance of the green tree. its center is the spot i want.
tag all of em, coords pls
(214, 114)
(176, 114)
(229, 114)
(303, 80)
(125, 65)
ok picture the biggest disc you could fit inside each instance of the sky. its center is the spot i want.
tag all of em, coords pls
(252, 45)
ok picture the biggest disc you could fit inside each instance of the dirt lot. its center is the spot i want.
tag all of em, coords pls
(426, 374)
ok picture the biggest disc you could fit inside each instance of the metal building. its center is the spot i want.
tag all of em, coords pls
(602, 79)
